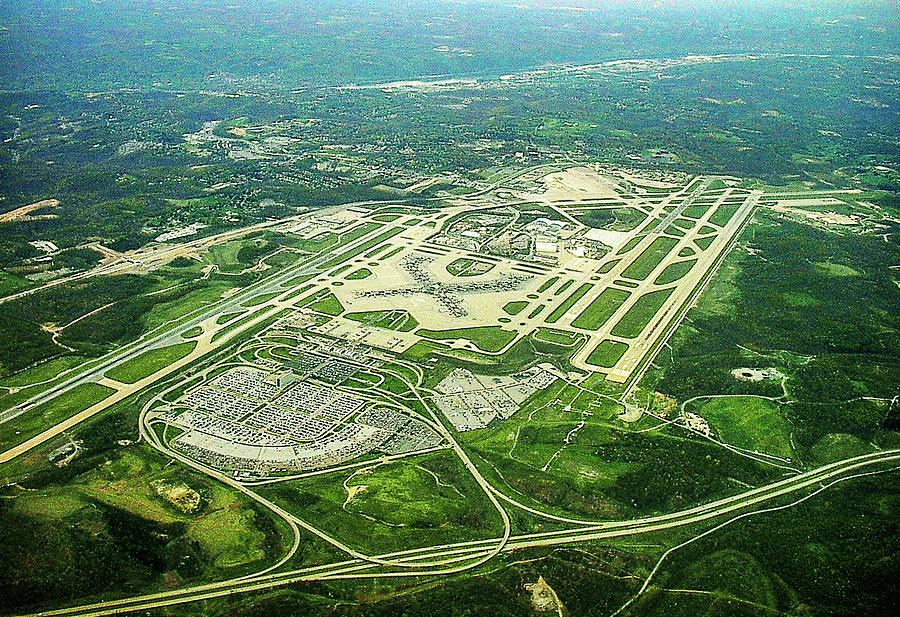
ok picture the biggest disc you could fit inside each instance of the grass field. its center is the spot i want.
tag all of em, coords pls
(564, 338)
(640, 314)
(748, 422)
(641, 267)
(607, 353)
(486, 338)
(402, 505)
(628, 246)
(360, 274)
(601, 309)
(192, 333)
(225, 528)
(149, 362)
(550, 282)
(704, 243)
(694, 211)
(723, 214)
(329, 305)
(609, 265)
(536, 311)
(566, 304)
(674, 272)
(397, 319)
(562, 288)
(48, 414)
(514, 308)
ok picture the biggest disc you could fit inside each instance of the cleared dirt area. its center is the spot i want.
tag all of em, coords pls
(24, 213)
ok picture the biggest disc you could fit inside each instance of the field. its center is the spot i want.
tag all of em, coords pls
(601, 309)
(149, 362)
(566, 304)
(639, 315)
(607, 354)
(650, 258)
(35, 420)
(486, 338)
(748, 422)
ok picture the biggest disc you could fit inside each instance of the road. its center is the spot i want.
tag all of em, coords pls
(96, 371)
(472, 552)
(437, 560)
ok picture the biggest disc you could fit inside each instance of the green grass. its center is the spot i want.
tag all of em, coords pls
(684, 223)
(150, 362)
(550, 282)
(386, 218)
(10, 284)
(328, 304)
(402, 507)
(183, 304)
(704, 243)
(562, 288)
(687, 252)
(835, 270)
(44, 416)
(748, 422)
(607, 353)
(640, 314)
(695, 212)
(358, 275)
(609, 265)
(629, 284)
(514, 308)
(391, 253)
(706, 229)
(486, 338)
(340, 270)
(566, 338)
(675, 272)
(614, 219)
(226, 317)
(397, 319)
(641, 267)
(566, 304)
(468, 267)
(536, 311)
(601, 309)
(723, 214)
(192, 332)
(628, 246)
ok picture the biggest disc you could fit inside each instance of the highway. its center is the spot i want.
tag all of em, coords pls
(466, 555)
(442, 559)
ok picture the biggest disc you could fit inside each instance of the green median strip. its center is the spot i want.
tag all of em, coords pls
(640, 314)
(568, 303)
(601, 309)
(149, 362)
(641, 267)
